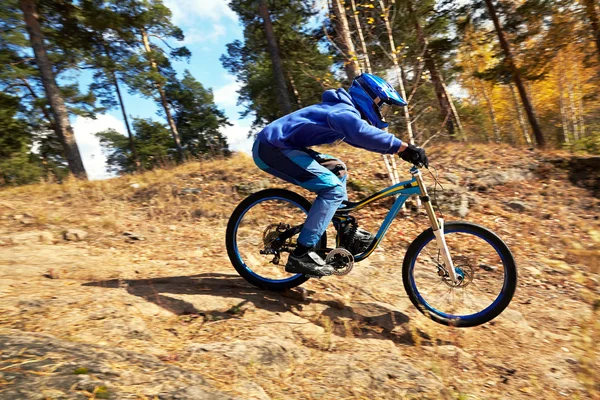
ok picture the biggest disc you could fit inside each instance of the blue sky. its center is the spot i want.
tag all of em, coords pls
(208, 26)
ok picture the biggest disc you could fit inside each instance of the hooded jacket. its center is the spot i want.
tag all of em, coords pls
(334, 119)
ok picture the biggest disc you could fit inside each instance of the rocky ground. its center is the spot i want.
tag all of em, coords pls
(122, 289)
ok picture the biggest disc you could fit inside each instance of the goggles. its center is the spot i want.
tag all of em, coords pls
(382, 109)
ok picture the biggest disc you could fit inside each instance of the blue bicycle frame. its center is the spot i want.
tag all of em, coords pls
(403, 190)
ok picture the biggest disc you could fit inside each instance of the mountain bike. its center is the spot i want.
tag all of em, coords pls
(456, 273)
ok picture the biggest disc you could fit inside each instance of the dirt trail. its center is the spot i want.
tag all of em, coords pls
(167, 316)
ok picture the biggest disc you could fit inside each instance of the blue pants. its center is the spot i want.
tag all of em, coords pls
(320, 173)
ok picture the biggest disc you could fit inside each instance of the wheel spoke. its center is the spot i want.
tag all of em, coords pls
(478, 287)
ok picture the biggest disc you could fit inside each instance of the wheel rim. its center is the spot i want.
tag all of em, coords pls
(477, 260)
(249, 231)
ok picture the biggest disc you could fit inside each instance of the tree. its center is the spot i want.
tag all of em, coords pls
(344, 39)
(55, 99)
(516, 74)
(592, 14)
(154, 143)
(278, 72)
(306, 69)
(197, 117)
(447, 108)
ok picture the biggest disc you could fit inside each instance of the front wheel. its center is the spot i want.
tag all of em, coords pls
(483, 263)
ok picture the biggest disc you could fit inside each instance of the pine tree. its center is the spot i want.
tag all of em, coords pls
(53, 94)
(306, 69)
(197, 117)
(278, 71)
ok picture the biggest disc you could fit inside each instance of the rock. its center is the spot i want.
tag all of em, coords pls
(390, 377)
(32, 237)
(517, 205)
(72, 367)
(191, 190)
(534, 271)
(453, 178)
(75, 235)
(266, 351)
(380, 314)
(135, 185)
(454, 199)
(252, 187)
(251, 391)
(463, 208)
(491, 178)
(133, 236)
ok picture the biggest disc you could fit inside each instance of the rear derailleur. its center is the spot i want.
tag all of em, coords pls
(277, 239)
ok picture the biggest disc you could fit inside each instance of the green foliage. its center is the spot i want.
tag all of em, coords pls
(153, 141)
(197, 117)
(307, 69)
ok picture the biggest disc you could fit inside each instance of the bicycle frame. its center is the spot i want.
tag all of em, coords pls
(403, 190)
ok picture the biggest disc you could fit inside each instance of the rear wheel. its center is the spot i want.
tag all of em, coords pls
(483, 263)
(252, 237)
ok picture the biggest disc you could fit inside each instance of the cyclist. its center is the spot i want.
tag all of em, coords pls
(356, 117)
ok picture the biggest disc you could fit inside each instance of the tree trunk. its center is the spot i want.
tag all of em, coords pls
(285, 106)
(361, 37)
(41, 106)
(342, 30)
(398, 71)
(574, 118)
(163, 98)
(63, 128)
(516, 75)
(520, 116)
(294, 89)
(134, 154)
(115, 82)
(444, 99)
(490, 105)
(592, 14)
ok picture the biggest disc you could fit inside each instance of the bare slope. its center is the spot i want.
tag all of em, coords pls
(174, 299)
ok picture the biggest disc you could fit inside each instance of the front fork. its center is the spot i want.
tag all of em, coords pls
(437, 225)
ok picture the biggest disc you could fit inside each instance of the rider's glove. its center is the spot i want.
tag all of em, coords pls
(415, 155)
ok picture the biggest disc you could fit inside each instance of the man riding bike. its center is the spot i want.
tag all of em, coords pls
(358, 118)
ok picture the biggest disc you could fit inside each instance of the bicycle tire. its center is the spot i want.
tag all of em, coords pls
(492, 311)
(231, 244)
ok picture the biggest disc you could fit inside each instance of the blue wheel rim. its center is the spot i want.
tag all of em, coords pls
(237, 253)
(469, 317)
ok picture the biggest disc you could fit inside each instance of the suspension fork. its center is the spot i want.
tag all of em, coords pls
(437, 225)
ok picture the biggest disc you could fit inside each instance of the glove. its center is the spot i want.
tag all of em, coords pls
(415, 155)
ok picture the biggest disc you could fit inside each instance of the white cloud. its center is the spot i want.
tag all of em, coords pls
(237, 136)
(188, 12)
(194, 35)
(226, 96)
(89, 145)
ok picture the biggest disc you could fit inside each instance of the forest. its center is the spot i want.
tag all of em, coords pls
(523, 73)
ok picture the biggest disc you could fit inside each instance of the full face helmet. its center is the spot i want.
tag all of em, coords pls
(374, 97)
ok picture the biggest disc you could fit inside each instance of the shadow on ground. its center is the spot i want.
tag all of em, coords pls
(233, 286)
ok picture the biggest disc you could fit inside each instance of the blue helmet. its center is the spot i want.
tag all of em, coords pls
(373, 97)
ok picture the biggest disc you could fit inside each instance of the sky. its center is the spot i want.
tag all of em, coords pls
(208, 25)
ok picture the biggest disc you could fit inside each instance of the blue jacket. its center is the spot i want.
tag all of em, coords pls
(333, 119)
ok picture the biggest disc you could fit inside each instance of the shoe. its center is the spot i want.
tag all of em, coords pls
(309, 263)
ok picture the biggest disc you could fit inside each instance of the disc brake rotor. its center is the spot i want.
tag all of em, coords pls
(464, 272)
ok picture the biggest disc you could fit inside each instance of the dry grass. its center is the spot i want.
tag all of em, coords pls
(184, 237)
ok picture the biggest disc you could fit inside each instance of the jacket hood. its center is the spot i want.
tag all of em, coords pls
(337, 96)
